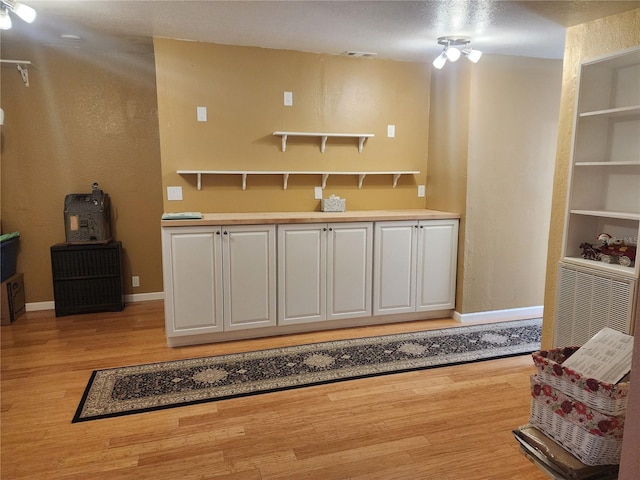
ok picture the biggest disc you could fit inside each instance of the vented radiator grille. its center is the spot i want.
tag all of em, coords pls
(589, 300)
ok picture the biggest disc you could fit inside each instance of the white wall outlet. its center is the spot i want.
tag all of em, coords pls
(391, 131)
(317, 193)
(201, 114)
(174, 193)
(421, 190)
(288, 99)
(135, 281)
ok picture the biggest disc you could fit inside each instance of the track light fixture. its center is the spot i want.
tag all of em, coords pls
(25, 12)
(452, 53)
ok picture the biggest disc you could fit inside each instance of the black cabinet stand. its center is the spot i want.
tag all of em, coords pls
(87, 278)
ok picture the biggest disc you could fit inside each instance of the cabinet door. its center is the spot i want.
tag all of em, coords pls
(192, 281)
(394, 267)
(437, 261)
(349, 264)
(249, 270)
(301, 273)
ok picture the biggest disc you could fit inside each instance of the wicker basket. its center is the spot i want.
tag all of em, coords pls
(594, 438)
(604, 397)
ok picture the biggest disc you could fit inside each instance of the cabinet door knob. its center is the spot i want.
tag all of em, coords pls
(225, 232)
(324, 229)
(218, 232)
(330, 229)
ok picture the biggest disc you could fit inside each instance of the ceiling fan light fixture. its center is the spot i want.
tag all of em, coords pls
(471, 54)
(23, 11)
(440, 61)
(5, 19)
(453, 54)
(454, 48)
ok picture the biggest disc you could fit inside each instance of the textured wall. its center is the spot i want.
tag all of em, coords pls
(512, 141)
(242, 88)
(84, 118)
(493, 136)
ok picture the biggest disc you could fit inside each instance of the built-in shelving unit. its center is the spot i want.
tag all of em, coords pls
(604, 191)
(323, 138)
(396, 174)
(603, 197)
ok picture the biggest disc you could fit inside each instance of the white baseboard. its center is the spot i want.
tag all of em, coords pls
(35, 306)
(136, 297)
(500, 315)
(143, 297)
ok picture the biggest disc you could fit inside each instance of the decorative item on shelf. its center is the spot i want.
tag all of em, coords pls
(611, 250)
(333, 204)
(589, 252)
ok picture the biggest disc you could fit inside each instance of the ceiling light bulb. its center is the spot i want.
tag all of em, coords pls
(440, 61)
(5, 19)
(452, 53)
(25, 12)
(473, 55)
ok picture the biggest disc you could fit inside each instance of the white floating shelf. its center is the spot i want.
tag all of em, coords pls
(285, 175)
(323, 138)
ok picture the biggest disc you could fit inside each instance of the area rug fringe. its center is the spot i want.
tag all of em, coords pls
(142, 388)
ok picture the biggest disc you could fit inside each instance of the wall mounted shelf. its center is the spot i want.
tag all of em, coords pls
(323, 138)
(285, 175)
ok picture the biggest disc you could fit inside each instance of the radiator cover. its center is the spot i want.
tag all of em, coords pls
(587, 300)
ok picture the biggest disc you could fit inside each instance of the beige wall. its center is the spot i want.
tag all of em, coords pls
(242, 88)
(583, 42)
(512, 141)
(83, 119)
(493, 137)
(448, 152)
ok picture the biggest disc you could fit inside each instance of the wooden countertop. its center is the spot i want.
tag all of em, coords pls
(261, 218)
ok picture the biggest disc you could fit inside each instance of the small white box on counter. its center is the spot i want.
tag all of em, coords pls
(333, 204)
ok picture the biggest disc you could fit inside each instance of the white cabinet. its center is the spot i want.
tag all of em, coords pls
(219, 278)
(324, 271)
(192, 280)
(414, 266)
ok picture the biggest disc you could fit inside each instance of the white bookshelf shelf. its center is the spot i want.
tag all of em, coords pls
(396, 174)
(613, 112)
(323, 138)
(608, 214)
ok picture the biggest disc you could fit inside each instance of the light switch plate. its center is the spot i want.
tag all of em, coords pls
(288, 99)
(317, 193)
(174, 193)
(201, 114)
(421, 190)
(391, 131)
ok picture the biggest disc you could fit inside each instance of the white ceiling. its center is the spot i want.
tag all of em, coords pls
(401, 30)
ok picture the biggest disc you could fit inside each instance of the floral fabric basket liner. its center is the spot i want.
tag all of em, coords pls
(576, 412)
(604, 397)
(592, 437)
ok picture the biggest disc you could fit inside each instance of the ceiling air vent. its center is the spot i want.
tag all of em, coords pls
(351, 53)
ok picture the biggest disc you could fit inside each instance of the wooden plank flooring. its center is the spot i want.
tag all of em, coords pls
(441, 424)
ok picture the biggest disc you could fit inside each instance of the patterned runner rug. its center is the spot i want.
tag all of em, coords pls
(140, 388)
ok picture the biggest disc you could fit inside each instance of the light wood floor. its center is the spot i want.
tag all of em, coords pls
(446, 423)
